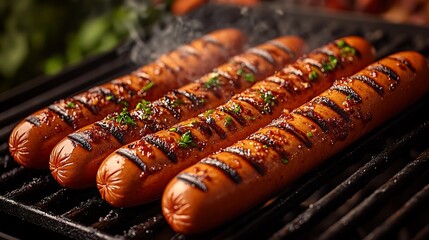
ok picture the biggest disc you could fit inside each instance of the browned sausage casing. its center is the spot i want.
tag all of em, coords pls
(138, 172)
(74, 161)
(226, 184)
(32, 140)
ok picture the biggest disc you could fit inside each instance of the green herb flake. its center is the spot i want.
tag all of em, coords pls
(212, 82)
(309, 134)
(269, 98)
(228, 121)
(208, 112)
(191, 124)
(333, 61)
(248, 77)
(348, 97)
(330, 65)
(201, 101)
(240, 71)
(148, 86)
(345, 48)
(145, 106)
(125, 118)
(109, 97)
(313, 75)
(236, 109)
(265, 146)
(173, 129)
(284, 160)
(186, 140)
(71, 104)
(176, 102)
(341, 43)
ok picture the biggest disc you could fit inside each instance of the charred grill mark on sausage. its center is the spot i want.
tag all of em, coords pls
(213, 125)
(62, 113)
(348, 91)
(33, 120)
(263, 54)
(268, 141)
(247, 156)
(370, 82)
(288, 127)
(223, 167)
(193, 180)
(333, 106)
(80, 138)
(314, 117)
(161, 145)
(113, 130)
(405, 62)
(133, 157)
(283, 47)
(385, 70)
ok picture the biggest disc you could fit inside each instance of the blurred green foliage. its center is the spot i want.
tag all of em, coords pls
(43, 36)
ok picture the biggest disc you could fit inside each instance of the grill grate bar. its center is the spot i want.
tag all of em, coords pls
(49, 201)
(401, 215)
(146, 228)
(84, 209)
(347, 188)
(373, 201)
(32, 188)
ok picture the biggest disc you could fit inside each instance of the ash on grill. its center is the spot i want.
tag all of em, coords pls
(374, 189)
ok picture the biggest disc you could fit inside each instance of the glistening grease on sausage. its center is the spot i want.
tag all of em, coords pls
(226, 184)
(75, 159)
(138, 172)
(33, 139)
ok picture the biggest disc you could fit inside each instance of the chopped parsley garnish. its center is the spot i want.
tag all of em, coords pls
(173, 129)
(201, 101)
(191, 124)
(124, 118)
(313, 75)
(148, 86)
(309, 134)
(284, 160)
(109, 97)
(330, 66)
(186, 140)
(208, 112)
(146, 106)
(345, 48)
(248, 77)
(333, 61)
(176, 102)
(237, 108)
(265, 146)
(268, 98)
(212, 82)
(341, 43)
(348, 97)
(228, 121)
(71, 104)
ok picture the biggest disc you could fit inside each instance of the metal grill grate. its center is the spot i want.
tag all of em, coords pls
(374, 189)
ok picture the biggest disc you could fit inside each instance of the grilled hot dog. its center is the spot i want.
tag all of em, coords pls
(75, 159)
(32, 140)
(226, 184)
(138, 172)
